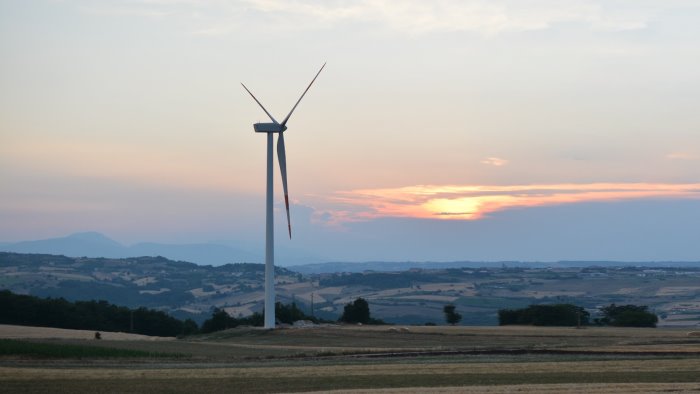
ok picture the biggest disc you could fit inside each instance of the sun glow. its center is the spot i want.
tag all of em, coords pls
(458, 208)
(472, 202)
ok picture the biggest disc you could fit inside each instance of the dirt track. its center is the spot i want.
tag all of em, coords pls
(577, 388)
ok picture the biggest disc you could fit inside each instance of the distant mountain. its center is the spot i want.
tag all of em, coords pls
(212, 254)
(93, 244)
(90, 244)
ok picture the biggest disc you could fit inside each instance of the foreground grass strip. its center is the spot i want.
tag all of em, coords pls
(290, 370)
(267, 385)
(12, 347)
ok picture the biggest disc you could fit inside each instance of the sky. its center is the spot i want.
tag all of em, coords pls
(445, 130)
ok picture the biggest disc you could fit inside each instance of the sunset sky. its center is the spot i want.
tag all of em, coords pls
(446, 130)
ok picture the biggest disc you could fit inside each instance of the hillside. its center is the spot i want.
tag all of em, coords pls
(414, 296)
(181, 288)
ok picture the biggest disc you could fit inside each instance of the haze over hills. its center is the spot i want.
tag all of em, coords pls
(94, 244)
(395, 266)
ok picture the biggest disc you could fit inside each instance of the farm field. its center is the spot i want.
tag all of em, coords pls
(383, 358)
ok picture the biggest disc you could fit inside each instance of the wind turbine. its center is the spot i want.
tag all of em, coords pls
(270, 129)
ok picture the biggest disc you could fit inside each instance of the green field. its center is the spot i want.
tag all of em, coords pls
(471, 359)
(30, 349)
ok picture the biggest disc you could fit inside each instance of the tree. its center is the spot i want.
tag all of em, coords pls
(545, 315)
(220, 320)
(257, 319)
(189, 327)
(289, 313)
(628, 316)
(356, 312)
(451, 316)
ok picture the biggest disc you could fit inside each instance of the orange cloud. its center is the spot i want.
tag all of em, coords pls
(474, 202)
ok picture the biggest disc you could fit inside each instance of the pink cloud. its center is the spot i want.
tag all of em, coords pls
(494, 161)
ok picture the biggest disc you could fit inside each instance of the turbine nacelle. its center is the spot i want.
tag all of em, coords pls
(269, 127)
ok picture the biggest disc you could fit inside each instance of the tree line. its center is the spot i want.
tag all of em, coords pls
(100, 315)
(572, 315)
(103, 316)
(354, 312)
(88, 315)
(284, 313)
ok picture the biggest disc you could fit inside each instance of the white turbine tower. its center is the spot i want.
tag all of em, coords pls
(271, 128)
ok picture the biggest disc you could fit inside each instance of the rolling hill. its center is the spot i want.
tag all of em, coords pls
(414, 296)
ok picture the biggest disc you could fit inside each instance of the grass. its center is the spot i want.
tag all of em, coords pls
(321, 359)
(242, 345)
(12, 347)
(259, 384)
(344, 340)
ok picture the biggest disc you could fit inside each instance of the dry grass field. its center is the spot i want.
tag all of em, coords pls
(382, 359)
(24, 332)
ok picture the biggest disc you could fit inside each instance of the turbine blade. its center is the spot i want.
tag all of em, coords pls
(282, 158)
(256, 100)
(284, 122)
